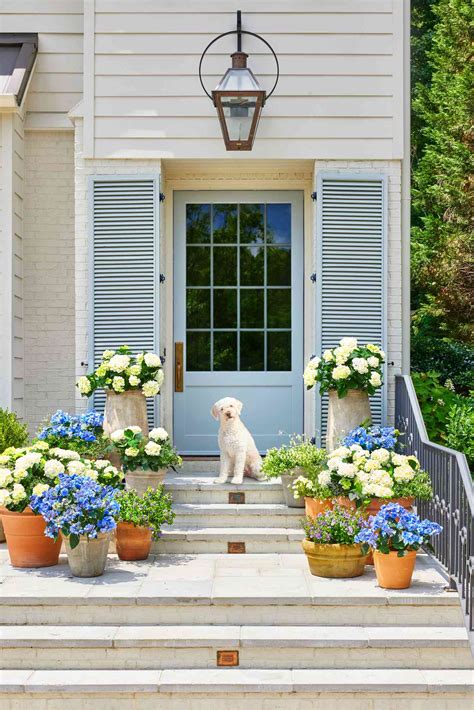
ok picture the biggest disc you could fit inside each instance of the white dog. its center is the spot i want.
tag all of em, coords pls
(239, 454)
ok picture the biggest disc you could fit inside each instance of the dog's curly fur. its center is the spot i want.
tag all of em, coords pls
(239, 454)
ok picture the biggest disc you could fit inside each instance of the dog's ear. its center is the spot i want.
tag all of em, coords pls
(238, 406)
(215, 411)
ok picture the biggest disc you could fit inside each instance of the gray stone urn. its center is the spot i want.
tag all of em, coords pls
(124, 410)
(89, 558)
(346, 414)
(288, 496)
(140, 480)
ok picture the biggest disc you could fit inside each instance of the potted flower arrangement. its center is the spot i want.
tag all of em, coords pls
(373, 437)
(290, 461)
(350, 373)
(330, 544)
(77, 432)
(28, 472)
(317, 498)
(395, 535)
(145, 459)
(127, 380)
(84, 511)
(139, 520)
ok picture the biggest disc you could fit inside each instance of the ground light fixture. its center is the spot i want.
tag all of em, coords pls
(238, 97)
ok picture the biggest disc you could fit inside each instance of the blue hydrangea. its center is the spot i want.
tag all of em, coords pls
(394, 528)
(78, 505)
(374, 437)
(85, 427)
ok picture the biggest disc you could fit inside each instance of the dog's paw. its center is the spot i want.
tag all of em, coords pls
(220, 480)
(237, 480)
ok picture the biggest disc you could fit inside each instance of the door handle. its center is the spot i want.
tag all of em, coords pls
(178, 367)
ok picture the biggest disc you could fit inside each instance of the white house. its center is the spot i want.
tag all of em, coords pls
(251, 260)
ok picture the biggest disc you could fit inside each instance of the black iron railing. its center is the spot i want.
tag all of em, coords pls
(452, 505)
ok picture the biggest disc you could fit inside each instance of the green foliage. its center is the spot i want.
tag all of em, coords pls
(338, 526)
(152, 510)
(436, 402)
(12, 431)
(460, 430)
(442, 165)
(452, 360)
(298, 454)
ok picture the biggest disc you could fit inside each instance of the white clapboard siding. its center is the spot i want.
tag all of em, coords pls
(351, 268)
(124, 252)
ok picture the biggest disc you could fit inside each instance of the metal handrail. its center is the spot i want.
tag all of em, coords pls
(452, 505)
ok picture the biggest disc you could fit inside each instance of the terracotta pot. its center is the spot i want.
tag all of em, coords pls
(124, 410)
(345, 414)
(27, 544)
(345, 502)
(337, 561)
(132, 543)
(374, 507)
(315, 506)
(89, 557)
(394, 572)
(286, 481)
(141, 480)
(2, 532)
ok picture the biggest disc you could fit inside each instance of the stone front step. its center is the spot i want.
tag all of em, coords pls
(239, 689)
(189, 540)
(199, 487)
(160, 647)
(226, 515)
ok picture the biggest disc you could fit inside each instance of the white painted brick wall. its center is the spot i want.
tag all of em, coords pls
(49, 274)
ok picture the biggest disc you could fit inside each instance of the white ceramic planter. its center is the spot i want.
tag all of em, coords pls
(345, 414)
(124, 410)
(288, 496)
(140, 480)
(89, 558)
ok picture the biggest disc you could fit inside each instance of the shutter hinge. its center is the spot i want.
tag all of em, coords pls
(162, 278)
(314, 196)
(313, 277)
(162, 196)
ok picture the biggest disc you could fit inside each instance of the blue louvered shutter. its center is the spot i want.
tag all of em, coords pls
(124, 308)
(351, 269)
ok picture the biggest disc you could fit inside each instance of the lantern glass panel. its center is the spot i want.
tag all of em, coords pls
(239, 113)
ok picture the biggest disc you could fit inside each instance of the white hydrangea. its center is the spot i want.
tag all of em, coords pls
(119, 363)
(134, 369)
(342, 355)
(371, 465)
(40, 488)
(4, 460)
(152, 360)
(153, 449)
(159, 434)
(347, 470)
(117, 435)
(65, 454)
(381, 455)
(160, 377)
(53, 468)
(309, 377)
(134, 381)
(136, 429)
(328, 356)
(314, 363)
(118, 384)
(18, 493)
(150, 388)
(399, 459)
(90, 473)
(350, 343)
(5, 498)
(26, 461)
(403, 474)
(131, 451)
(107, 354)
(19, 474)
(334, 463)
(373, 361)
(375, 379)
(373, 348)
(341, 372)
(5, 477)
(356, 449)
(111, 470)
(360, 365)
(41, 445)
(83, 385)
(139, 358)
(76, 467)
(101, 463)
(324, 478)
(341, 451)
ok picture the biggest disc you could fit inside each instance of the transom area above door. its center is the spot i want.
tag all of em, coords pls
(238, 286)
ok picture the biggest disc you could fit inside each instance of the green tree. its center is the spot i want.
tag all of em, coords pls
(442, 196)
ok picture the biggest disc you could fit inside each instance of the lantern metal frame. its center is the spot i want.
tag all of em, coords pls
(260, 99)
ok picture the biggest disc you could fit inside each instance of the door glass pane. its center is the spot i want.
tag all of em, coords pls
(224, 224)
(251, 308)
(225, 266)
(252, 350)
(279, 308)
(252, 224)
(279, 224)
(252, 266)
(198, 266)
(198, 351)
(279, 350)
(278, 266)
(225, 308)
(198, 307)
(225, 351)
(198, 224)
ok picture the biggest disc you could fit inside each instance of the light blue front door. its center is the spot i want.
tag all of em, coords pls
(238, 311)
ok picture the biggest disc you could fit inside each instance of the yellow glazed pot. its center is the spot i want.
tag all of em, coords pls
(334, 560)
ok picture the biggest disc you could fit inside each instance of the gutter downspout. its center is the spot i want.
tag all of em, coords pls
(406, 189)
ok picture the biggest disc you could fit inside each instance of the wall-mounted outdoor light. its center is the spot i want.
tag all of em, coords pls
(238, 97)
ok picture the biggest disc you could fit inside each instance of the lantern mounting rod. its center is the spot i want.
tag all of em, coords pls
(239, 32)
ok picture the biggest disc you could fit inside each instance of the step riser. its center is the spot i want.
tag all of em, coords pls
(233, 614)
(210, 495)
(238, 521)
(144, 658)
(166, 546)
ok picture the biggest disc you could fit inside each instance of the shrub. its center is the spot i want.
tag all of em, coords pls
(12, 431)
(460, 430)
(452, 360)
(338, 526)
(152, 510)
(436, 402)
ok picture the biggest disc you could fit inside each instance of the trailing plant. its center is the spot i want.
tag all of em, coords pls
(77, 506)
(120, 371)
(460, 430)
(152, 510)
(151, 453)
(373, 437)
(396, 529)
(350, 366)
(299, 453)
(338, 526)
(12, 431)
